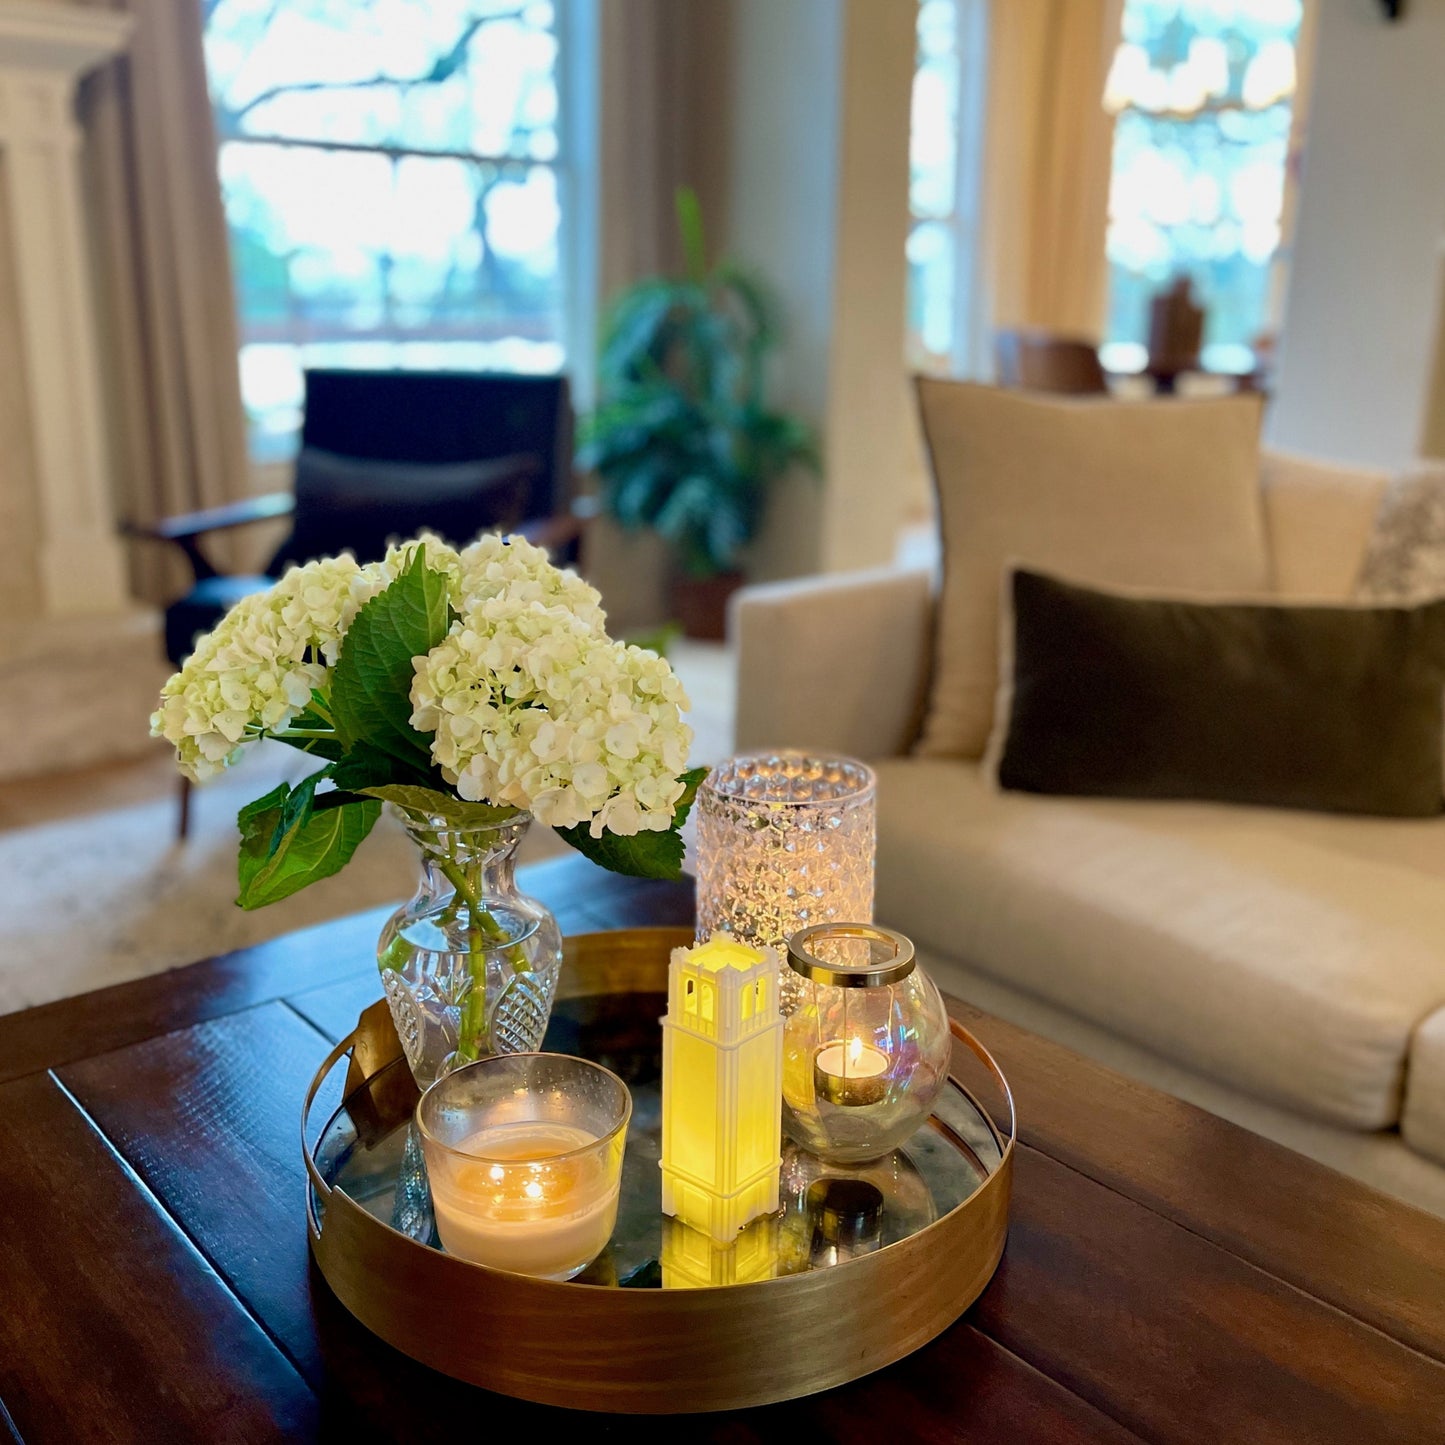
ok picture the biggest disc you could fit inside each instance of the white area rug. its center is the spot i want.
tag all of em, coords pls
(98, 897)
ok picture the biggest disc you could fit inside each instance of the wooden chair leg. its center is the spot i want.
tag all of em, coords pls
(183, 813)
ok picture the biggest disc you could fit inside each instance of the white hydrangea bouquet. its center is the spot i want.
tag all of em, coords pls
(474, 690)
(469, 686)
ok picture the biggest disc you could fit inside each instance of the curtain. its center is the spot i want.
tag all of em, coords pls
(655, 59)
(1048, 149)
(165, 295)
(662, 66)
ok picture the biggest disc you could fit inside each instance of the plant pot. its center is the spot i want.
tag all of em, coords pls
(700, 604)
(469, 965)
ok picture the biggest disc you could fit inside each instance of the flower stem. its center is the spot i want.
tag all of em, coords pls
(483, 932)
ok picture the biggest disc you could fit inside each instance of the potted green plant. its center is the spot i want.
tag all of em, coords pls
(683, 439)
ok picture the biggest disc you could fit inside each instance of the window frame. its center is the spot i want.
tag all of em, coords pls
(574, 167)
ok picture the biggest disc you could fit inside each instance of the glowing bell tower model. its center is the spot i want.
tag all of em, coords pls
(722, 1083)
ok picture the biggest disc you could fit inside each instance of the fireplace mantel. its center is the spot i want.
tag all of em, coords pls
(44, 52)
(80, 655)
(61, 39)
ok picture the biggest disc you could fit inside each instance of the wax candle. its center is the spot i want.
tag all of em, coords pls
(530, 1196)
(852, 1074)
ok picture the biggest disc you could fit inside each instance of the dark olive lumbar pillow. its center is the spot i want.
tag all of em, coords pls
(1336, 709)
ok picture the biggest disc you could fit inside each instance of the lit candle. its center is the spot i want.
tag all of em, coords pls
(851, 1074)
(533, 1197)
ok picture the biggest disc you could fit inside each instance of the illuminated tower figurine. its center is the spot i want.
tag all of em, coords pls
(722, 1068)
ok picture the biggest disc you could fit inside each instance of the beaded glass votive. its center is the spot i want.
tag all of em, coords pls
(784, 840)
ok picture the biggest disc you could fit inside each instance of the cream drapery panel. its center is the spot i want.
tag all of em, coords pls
(660, 64)
(1048, 144)
(165, 293)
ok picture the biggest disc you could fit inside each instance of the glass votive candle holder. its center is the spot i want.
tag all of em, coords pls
(867, 1046)
(524, 1159)
(784, 840)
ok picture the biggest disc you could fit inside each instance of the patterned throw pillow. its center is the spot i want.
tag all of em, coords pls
(1405, 561)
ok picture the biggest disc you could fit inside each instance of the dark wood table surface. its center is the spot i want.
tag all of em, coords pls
(1168, 1277)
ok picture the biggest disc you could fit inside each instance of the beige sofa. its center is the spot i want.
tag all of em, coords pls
(1285, 970)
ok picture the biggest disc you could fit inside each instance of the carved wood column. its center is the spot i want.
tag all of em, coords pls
(44, 51)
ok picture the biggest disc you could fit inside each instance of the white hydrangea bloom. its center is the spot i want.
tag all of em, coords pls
(255, 671)
(532, 709)
(529, 702)
(495, 566)
(440, 557)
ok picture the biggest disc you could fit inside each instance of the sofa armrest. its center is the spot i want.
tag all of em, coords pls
(835, 663)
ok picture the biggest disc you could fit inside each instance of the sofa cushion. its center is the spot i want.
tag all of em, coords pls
(1290, 955)
(1147, 494)
(1334, 707)
(1319, 518)
(1422, 1121)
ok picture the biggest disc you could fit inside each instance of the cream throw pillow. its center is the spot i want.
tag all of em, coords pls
(1133, 494)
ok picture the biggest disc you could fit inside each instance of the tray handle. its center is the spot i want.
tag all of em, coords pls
(986, 1059)
(322, 1188)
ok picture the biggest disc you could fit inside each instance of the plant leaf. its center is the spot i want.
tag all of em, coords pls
(446, 805)
(692, 780)
(259, 819)
(368, 767)
(689, 223)
(371, 686)
(278, 859)
(644, 855)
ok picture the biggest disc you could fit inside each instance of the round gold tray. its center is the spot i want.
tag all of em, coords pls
(663, 1322)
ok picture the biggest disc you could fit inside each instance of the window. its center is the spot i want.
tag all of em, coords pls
(398, 185)
(945, 328)
(1203, 94)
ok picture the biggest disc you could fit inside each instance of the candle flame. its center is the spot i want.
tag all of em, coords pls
(855, 1050)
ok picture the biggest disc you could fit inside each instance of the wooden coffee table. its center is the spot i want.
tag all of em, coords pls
(1168, 1276)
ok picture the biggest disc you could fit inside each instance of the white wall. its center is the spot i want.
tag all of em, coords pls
(1363, 310)
(782, 119)
(816, 198)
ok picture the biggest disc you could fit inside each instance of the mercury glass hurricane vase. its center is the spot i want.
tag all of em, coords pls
(469, 964)
(784, 840)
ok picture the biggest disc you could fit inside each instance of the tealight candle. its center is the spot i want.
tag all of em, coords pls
(852, 1074)
(866, 1049)
(524, 1160)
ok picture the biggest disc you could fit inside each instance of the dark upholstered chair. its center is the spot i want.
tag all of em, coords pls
(385, 454)
(1043, 361)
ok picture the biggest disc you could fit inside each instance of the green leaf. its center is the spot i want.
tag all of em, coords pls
(279, 858)
(371, 686)
(689, 223)
(446, 805)
(645, 855)
(328, 748)
(296, 810)
(692, 780)
(260, 819)
(368, 767)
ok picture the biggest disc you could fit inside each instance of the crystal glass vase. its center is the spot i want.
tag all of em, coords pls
(469, 965)
(784, 840)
